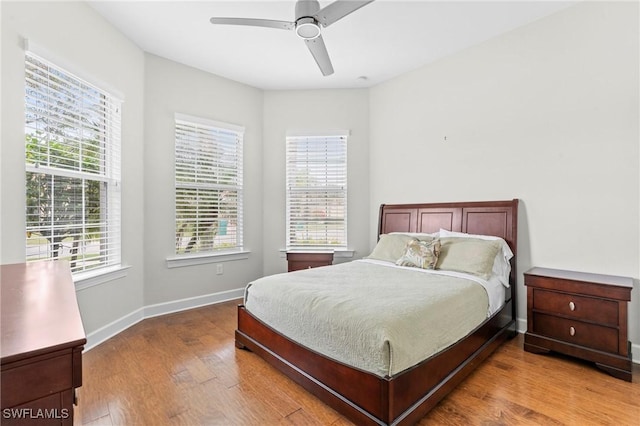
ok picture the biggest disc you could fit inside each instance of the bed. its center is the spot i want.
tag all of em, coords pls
(401, 392)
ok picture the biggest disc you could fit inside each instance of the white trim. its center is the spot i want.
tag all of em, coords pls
(337, 253)
(118, 326)
(320, 133)
(343, 253)
(192, 302)
(521, 325)
(74, 174)
(208, 122)
(203, 258)
(101, 276)
(104, 333)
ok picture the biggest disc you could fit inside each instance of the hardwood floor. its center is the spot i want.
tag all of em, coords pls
(184, 369)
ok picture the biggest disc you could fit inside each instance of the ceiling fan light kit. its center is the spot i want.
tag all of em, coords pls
(309, 19)
(307, 28)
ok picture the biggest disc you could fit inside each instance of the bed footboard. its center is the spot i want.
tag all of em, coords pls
(365, 398)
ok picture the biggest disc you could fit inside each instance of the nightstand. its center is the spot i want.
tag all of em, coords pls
(306, 259)
(579, 314)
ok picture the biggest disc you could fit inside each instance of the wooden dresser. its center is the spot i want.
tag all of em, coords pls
(579, 314)
(42, 342)
(307, 259)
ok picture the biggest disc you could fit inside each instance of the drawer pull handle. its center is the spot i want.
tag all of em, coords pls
(572, 331)
(572, 306)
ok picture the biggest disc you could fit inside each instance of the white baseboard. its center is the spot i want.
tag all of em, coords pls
(521, 327)
(113, 328)
(121, 324)
(635, 353)
(191, 302)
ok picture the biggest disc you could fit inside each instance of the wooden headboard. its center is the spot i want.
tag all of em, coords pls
(497, 218)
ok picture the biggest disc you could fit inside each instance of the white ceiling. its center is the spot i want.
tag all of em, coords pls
(379, 41)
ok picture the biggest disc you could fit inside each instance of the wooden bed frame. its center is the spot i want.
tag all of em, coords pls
(367, 399)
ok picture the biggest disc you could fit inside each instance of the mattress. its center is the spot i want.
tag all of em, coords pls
(374, 315)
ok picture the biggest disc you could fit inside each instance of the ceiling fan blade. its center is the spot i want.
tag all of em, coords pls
(338, 10)
(282, 25)
(319, 51)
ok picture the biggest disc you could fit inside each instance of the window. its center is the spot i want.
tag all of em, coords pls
(317, 191)
(208, 173)
(72, 144)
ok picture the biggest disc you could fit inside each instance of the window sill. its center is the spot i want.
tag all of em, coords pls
(337, 254)
(91, 279)
(203, 258)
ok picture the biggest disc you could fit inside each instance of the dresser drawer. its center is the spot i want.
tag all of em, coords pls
(43, 377)
(577, 332)
(579, 307)
(46, 411)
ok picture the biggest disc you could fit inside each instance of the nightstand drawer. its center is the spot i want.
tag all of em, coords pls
(306, 260)
(579, 307)
(577, 332)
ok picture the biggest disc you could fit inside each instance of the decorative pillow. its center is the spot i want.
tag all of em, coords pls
(420, 254)
(469, 255)
(390, 247)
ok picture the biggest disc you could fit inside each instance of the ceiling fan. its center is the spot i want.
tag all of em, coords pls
(309, 18)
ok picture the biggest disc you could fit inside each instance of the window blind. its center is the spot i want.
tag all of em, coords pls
(316, 179)
(72, 151)
(208, 185)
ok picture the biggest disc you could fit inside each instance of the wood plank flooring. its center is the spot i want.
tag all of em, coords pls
(184, 369)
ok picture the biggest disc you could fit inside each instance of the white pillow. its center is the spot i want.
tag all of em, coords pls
(501, 265)
(418, 235)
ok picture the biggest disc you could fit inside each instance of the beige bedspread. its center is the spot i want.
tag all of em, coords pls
(375, 317)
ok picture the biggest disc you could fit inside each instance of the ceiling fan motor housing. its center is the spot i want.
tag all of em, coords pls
(306, 8)
(307, 26)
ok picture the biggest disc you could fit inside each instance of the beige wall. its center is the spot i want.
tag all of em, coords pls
(169, 88)
(314, 110)
(74, 36)
(548, 114)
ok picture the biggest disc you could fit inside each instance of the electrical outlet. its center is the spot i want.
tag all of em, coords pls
(219, 269)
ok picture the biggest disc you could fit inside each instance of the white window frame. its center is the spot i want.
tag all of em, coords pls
(331, 183)
(72, 142)
(197, 142)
